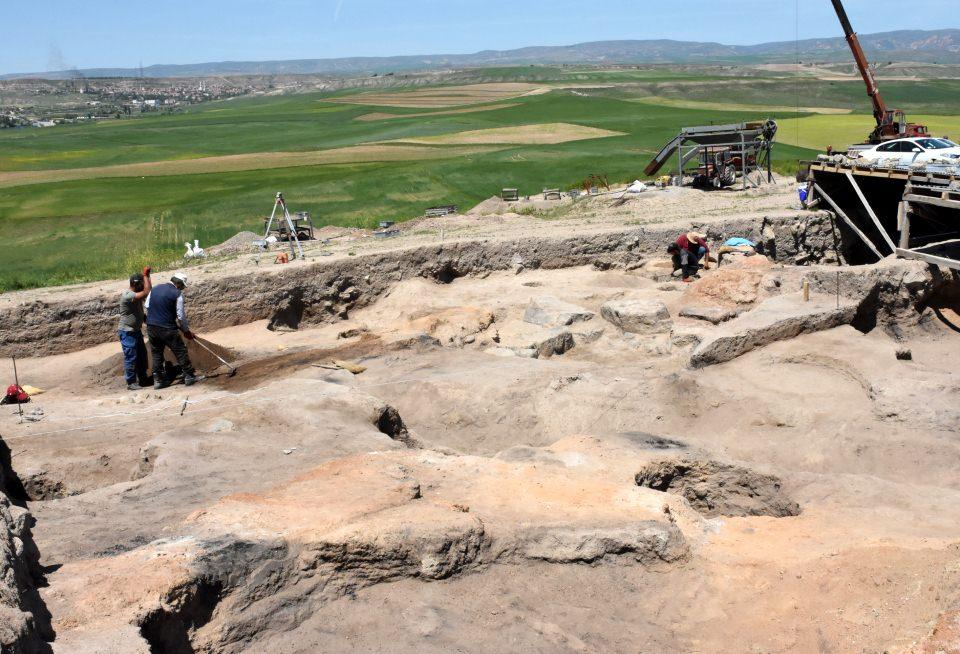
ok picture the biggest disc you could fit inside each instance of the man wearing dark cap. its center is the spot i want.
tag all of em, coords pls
(131, 330)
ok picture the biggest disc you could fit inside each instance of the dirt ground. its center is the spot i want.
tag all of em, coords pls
(476, 488)
(449, 96)
(547, 133)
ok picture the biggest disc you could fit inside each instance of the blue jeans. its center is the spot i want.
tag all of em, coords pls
(689, 262)
(134, 357)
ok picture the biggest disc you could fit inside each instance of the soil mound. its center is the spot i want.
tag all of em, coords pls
(110, 370)
(236, 244)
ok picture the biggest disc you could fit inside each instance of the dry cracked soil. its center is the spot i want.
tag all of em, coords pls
(553, 446)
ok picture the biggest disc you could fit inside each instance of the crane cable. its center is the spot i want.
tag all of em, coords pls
(796, 118)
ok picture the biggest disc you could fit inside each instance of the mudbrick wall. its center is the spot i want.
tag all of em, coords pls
(328, 291)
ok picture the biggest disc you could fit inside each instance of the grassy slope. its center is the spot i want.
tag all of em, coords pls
(91, 229)
(840, 131)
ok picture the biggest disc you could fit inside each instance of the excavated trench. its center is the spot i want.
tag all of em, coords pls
(328, 291)
(331, 291)
(168, 630)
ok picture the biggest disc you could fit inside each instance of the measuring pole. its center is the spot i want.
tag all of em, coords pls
(16, 380)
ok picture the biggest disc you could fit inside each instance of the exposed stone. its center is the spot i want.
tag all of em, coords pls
(687, 336)
(638, 316)
(715, 488)
(715, 315)
(24, 619)
(728, 287)
(535, 342)
(646, 542)
(904, 354)
(778, 318)
(548, 311)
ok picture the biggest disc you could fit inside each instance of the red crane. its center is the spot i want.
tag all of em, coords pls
(891, 123)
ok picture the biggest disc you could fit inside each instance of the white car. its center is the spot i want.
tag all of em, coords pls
(907, 152)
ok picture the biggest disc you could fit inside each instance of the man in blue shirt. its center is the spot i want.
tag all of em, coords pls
(166, 320)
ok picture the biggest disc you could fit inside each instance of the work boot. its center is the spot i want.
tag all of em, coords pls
(189, 380)
(160, 384)
(133, 387)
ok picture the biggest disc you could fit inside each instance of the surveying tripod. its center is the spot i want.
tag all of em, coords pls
(291, 230)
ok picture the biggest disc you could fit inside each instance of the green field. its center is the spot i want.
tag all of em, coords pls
(105, 226)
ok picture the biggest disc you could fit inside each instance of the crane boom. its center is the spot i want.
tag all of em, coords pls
(891, 124)
(879, 106)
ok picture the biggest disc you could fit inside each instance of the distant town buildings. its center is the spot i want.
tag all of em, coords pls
(45, 103)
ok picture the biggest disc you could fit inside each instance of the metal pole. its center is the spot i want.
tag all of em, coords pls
(770, 162)
(743, 159)
(680, 164)
(16, 380)
(270, 223)
(292, 234)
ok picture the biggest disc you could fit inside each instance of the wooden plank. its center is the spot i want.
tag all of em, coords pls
(953, 264)
(905, 228)
(873, 216)
(924, 199)
(951, 241)
(846, 219)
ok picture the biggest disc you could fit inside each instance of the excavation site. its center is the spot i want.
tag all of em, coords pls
(498, 433)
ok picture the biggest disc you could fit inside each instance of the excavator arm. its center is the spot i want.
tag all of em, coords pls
(879, 106)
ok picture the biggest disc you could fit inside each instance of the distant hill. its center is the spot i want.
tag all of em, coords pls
(935, 46)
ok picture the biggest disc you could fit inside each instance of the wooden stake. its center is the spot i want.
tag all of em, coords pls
(806, 290)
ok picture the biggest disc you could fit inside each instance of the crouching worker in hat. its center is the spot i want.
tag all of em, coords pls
(130, 330)
(687, 251)
(166, 320)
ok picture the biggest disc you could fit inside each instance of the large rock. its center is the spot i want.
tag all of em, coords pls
(728, 287)
(536, 342)
(548, 311)
(776, 319)
(638, 316)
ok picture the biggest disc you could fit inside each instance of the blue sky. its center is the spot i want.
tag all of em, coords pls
(61, 34)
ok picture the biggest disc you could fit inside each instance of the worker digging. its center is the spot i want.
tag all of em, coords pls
(166, 321)
(130, 330)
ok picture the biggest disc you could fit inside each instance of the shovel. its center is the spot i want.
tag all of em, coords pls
(233, 370)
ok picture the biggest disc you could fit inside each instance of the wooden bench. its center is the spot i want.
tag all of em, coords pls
(438, 212)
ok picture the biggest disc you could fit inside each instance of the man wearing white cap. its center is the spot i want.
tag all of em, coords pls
(166, 320)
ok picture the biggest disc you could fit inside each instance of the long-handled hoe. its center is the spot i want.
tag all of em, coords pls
(233, 370)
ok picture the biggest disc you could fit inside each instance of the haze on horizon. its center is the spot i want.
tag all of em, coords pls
(104, 33)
